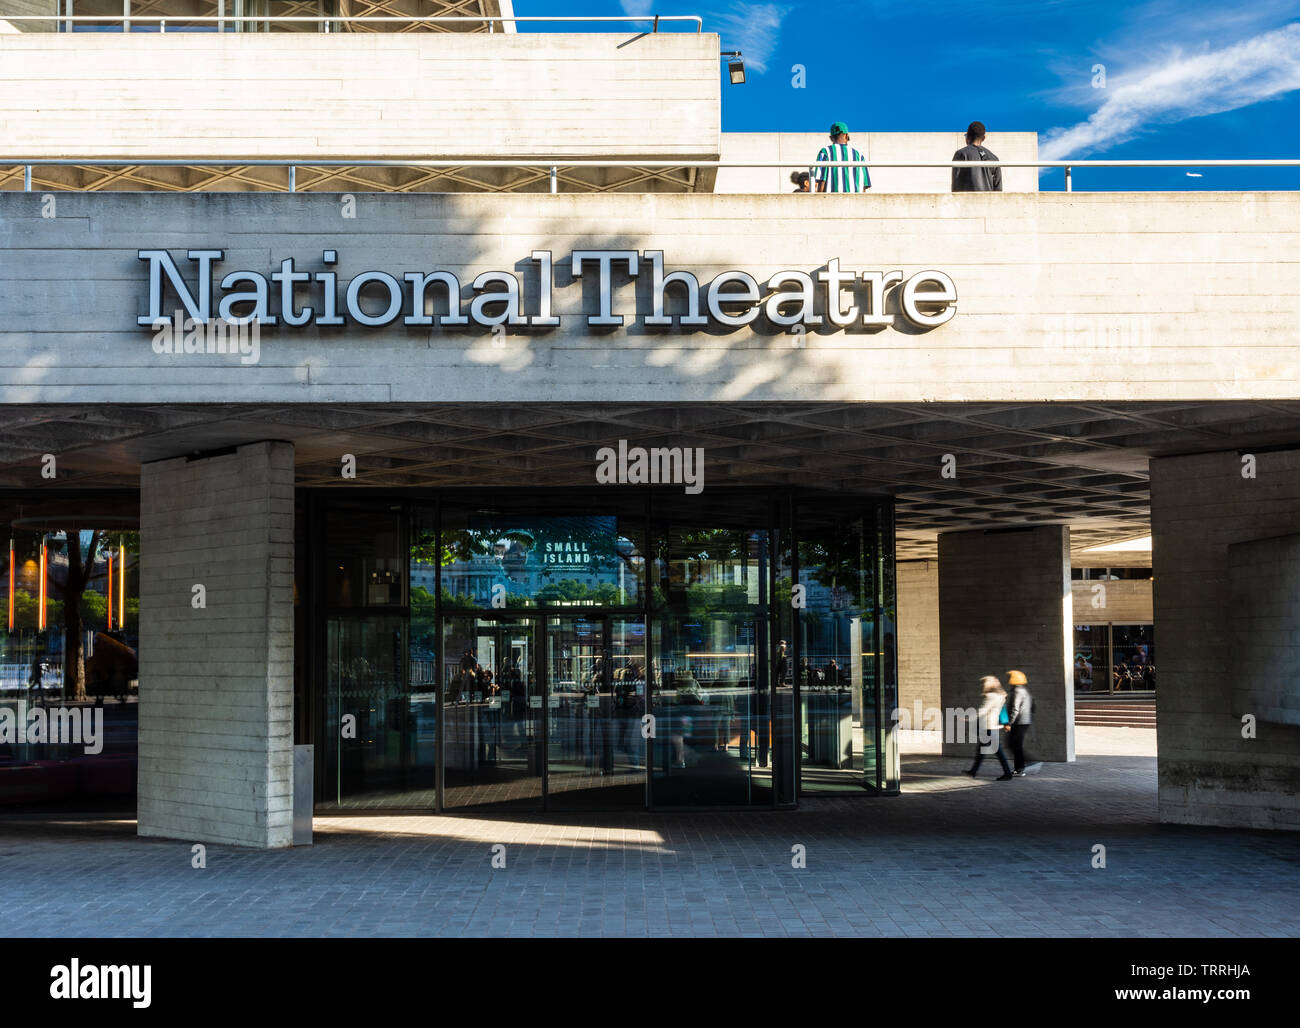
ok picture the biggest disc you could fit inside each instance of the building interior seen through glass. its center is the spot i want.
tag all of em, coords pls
(1111, 658)
(68, 664)
(647, 651)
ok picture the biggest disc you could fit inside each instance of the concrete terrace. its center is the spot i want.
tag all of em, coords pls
(950, 857)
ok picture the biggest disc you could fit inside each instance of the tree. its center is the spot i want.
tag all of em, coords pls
(74, 657)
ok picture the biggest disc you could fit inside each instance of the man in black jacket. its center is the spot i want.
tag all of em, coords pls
(976, 180)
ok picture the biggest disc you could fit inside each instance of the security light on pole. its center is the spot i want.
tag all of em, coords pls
(735, 67)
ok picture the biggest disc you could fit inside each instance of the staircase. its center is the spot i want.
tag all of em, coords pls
(1114, 712)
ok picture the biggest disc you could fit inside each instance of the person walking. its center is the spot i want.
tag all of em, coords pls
(976, 180)
(989, 726)
(1019, 718)
(840, 180)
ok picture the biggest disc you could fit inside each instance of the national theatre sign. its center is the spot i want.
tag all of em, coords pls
(294, 297)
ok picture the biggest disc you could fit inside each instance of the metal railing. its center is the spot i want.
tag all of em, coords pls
(327, 21)
(554, 167)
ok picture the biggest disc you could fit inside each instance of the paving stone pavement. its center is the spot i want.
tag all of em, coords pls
(951, 857)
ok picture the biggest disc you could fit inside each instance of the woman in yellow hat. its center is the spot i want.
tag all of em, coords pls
(1019, 717)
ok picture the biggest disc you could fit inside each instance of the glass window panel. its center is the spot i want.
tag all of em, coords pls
(598, 687)
(1091, 659)
(707, 570)
(365, 565)
(845, 653)
(1134, 658)
(493, 714)
(146, 15)
(82, 659)
(710, 728)
(524, 561)
(782, 696)
(371, 725)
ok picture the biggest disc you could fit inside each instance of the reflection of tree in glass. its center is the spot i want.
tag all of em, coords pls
(570, 590)
(838, 557)
(598, 535)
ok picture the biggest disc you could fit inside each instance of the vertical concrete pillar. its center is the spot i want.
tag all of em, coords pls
(918, 638)
(216, 647)
(1004, 602)
(1226, 563)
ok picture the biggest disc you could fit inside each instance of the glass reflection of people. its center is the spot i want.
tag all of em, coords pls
(467, 679)
(628, 681)
(832, 674)
(514, 684)
(36, 677)
(724, 710)
(688, 696)
(1082, 673)
(598, 723)
(487, 689)
(762, 705)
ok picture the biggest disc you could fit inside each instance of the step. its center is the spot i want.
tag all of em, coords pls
(1112, 712)
(1116, 724)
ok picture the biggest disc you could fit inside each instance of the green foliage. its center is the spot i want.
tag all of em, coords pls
(25, 611)
(423, 604)
(571, 591)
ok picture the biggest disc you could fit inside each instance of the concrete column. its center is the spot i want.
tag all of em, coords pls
(216, 671)
(1226, 560)
(918, 638)
(1005, 602)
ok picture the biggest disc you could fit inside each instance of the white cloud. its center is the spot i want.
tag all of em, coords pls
(636, 8)
(754, 29)
(1181, 86)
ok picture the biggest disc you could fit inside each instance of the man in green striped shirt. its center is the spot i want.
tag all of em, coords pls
(840, 180)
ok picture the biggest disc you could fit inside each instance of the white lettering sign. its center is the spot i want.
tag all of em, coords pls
(294, 297)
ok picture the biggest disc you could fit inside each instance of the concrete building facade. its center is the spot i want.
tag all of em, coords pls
(763, 467)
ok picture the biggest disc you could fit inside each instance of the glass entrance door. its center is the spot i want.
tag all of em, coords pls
(492, 724)
(595, 669)
(712, 717)
(373, 750)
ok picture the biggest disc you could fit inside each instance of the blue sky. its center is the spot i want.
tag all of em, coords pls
(1183, 78)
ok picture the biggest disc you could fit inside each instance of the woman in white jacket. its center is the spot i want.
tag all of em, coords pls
(989, 727)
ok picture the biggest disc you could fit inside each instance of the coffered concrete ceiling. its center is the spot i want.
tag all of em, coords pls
(1082, 464)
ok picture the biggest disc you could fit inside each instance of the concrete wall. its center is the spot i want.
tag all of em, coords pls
(1264, 585)
(918, 636)
(1054, 292)
(416, 95)
(1227, 592)
(1125, 602)
(216, 683)
(1004, 602)
(798, 151)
